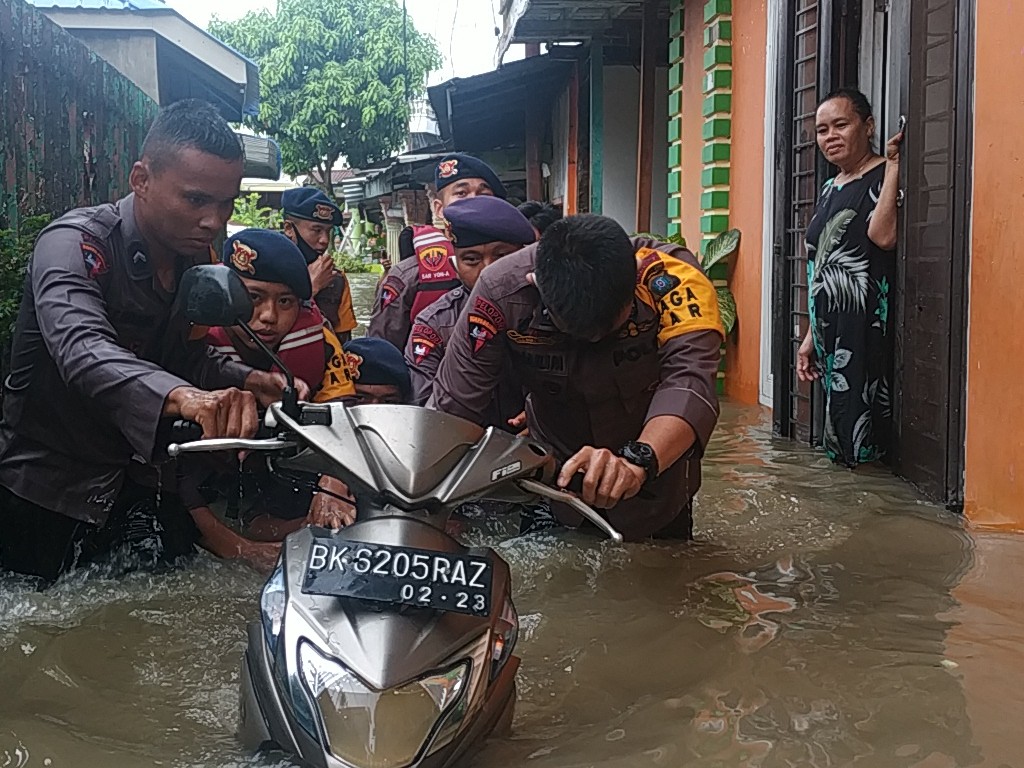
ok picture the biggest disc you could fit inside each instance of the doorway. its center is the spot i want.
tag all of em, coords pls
(912, 59)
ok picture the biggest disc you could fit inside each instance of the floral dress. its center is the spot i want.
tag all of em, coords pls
(850, 280)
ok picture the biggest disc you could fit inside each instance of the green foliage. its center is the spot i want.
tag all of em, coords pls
(348, 263)
(331, 77)
(249, 213)
(721, 248)
(15, 249)
(676, 239)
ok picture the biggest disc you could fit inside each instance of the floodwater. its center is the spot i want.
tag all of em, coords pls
(823, 618)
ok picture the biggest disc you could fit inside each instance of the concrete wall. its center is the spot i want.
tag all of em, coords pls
(133, 54)
(746, 197)
(994, 493)
(621, 106)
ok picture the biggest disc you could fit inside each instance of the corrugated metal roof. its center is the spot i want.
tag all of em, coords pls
(99, 5)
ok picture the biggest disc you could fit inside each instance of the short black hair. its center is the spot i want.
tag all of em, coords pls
(190, 124)
(586, 273)
(541, 215)
(860, 102)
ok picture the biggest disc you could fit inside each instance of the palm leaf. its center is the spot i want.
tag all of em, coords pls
(833, 231)
(843, 275)
(726, 308)
(722, 247)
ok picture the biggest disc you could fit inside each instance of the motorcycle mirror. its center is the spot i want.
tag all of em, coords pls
(215, 296)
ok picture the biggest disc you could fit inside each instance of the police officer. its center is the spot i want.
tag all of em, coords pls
(378, 372)
(415, 283)
(482, 230)
(309, 218)
(102, 354)
(274, 272)
(617, 344)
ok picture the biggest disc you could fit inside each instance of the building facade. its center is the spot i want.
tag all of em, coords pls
(743, 80)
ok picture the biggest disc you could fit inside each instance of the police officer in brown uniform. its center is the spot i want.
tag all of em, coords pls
(309, 218)
(617, 343)
(415, 283)
(482, 230)
(103, 354)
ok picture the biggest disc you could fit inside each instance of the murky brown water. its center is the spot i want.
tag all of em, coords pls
(824, 618)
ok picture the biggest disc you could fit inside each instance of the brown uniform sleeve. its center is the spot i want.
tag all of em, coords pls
(689, 338)
(392, 306)
(689, 366)
(423, 354)
(472, 364)
(209, 369)
(73, 323)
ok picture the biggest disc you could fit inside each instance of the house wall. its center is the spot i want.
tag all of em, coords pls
(746, 197)
(621, 106)
(72, 125)
(133, 54)
(994, 492)
(744, 190)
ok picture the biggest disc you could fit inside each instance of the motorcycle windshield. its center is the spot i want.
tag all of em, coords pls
(379, 729)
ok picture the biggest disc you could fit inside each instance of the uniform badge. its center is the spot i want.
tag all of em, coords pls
(353, 362)
(424, 341)
(488, 310)
(95, 261)
(448, 168)
(481, 331)
(388, 293)
(323, 211)
(663, 284)
(242, 257)
(434, 256)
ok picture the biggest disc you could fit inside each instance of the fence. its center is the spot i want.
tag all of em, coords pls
(72, 124)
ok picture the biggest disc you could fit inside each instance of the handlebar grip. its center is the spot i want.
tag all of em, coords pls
(183, 431)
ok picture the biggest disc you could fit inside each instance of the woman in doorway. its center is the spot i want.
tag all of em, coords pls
(850, 268)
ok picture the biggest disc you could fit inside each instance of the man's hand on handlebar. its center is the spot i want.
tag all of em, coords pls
(607, 479)
(222, 413)
(269, 387)
(328, 511)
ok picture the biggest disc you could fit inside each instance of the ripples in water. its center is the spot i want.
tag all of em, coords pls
(805, 627)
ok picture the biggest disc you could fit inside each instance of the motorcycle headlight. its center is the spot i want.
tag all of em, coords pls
(377, 729)
(272, 604)
(503, 638)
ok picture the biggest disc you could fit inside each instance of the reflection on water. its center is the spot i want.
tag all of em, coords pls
(808, 626)
(805, 627)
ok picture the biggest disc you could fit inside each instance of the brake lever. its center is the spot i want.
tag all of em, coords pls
(228, 444)
(532, 486)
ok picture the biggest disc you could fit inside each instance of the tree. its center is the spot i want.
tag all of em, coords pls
(332, 78)
(249, 213)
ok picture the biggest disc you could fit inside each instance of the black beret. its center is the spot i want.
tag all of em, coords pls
(457, 167)
(485, 219)
(270, 257)
(377, 361)
(311, 204)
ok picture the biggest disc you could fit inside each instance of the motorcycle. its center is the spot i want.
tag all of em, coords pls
(388, 643)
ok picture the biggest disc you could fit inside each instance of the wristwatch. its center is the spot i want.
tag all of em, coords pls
(641, 455)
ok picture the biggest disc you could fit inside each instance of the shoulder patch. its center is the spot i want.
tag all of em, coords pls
(94, 257)
(648, 264)
(661, 285)
(489, 310)
(424, 340)
(390, 291)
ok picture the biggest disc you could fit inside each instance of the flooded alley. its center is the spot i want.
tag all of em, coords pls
(823, 618)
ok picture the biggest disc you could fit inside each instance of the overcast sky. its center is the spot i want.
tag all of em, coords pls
(463, 29)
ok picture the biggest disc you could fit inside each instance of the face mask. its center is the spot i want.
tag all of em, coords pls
(308, 252)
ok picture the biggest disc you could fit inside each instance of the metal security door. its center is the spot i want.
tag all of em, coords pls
(820, 54)
(931, 300)
(796, 192)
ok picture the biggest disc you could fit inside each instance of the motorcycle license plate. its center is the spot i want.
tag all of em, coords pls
(444, 581)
